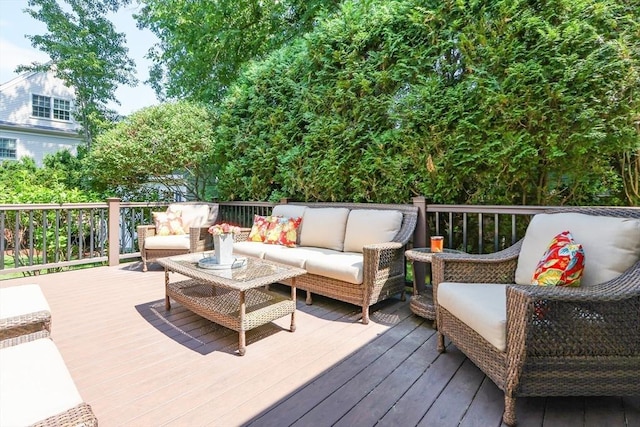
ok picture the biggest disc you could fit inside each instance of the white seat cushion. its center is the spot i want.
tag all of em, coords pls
(180, 241)
(324, 227)
(345, 266)
(369, 226)
(482, 307)
(256, 249)
(34, 383)
(297, 257)
(611, 245)
(20, 300)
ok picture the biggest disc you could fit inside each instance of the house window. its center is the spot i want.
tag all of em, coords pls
(61, 109)
(8, 148)
(51, 108)
(41, 106)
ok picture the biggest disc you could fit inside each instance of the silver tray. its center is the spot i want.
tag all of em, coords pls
(211, 263)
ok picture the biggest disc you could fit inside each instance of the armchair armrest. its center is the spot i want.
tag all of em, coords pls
(601, 320)
(144, 231)
(498, 267)
(200, 239)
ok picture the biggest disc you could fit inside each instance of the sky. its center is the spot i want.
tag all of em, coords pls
(15, 49)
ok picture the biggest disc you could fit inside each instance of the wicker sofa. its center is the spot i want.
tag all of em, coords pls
(352, 252)
(549, 341)
(195, 217)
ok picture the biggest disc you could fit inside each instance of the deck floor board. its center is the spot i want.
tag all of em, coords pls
(138, 364)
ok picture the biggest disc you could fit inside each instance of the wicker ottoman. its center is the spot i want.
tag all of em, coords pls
(23, 310)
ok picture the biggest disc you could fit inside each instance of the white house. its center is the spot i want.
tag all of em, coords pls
(36, 117)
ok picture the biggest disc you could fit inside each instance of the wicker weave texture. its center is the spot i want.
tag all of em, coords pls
(25, 324)
(222, 306)
(560, 341)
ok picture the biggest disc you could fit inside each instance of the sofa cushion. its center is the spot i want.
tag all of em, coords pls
(611, 245)
(562, 264)
(21, 300)
(181, 241)
(259, 228)
(291, 211)
(34, 383)
(369, 226)
(168, 223)
(482, 307)
(282, 231)
(194, 214)
(297, 257)
(345, 266)
(324, 227)
(255, 249)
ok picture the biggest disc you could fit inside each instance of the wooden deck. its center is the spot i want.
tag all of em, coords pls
(138, 365)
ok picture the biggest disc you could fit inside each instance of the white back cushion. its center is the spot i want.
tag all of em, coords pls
(194, 215)
(324, 227)
(611, 245)
(368, 226)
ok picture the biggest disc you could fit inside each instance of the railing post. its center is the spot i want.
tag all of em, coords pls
(114, 230)
(420, 240)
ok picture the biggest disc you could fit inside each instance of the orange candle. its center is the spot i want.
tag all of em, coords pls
(437, 243)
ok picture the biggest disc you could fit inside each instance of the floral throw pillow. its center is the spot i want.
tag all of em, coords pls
(562, 263)
(283, 231)
(168, 223)
(259, 228)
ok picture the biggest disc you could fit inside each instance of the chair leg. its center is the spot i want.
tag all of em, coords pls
(509, 416)
(403, 295)
(365, 315)
(441, 348)
(308, 300)
(144, 265)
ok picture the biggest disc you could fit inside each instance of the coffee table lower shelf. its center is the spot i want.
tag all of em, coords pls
(237, 310)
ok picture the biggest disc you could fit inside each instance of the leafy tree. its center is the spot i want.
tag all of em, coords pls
(503, 102)
(86, 53)
(203, 45)
(168, 144)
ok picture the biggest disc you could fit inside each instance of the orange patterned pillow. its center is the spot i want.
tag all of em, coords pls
(168, 223)
(283, 231)
(259, 228)
(562, 263)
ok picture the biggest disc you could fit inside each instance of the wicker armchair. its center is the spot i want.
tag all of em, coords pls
(559, 341)
(153, 247)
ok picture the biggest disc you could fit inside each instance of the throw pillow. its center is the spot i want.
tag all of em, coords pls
(562, 263)
(283, 231)
(259, 228)
(168, 223)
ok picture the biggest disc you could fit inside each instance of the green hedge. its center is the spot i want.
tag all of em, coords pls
(502, 102)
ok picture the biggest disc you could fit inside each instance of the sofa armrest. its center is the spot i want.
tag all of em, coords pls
(144, 231)
(382, 260)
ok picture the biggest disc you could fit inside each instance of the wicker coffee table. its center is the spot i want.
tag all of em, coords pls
(236, 298)
(422, 300)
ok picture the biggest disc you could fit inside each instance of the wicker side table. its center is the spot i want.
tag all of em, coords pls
(421, 302)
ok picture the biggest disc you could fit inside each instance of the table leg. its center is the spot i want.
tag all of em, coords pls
(293, 298)
(167, 302)
(242, 344)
